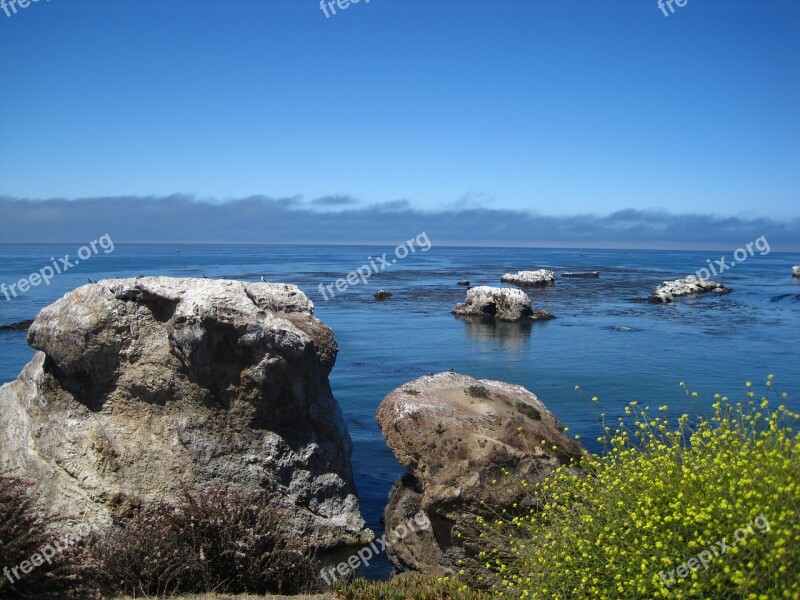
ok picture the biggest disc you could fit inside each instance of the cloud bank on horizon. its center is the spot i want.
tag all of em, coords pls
(341, 219)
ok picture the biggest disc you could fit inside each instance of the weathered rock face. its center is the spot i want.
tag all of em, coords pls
(504, 304)
(530, 278)
(685, 287)
(143, 388)
(454, 435)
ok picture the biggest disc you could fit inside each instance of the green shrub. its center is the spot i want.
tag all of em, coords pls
(24, 533)
(529, 411)
(478, 391)
(662, 494)
(216, 541)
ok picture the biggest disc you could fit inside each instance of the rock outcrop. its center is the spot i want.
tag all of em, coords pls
(587, 275)
(455, 435)
(382, 295)
(504, 304)
(21, 326)
(530, 278)
(143, 388)
(796, 271)
(687, 286)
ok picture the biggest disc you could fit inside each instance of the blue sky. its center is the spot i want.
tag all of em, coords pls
(559, 108)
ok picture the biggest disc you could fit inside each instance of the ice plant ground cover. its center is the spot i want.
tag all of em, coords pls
(664, 491)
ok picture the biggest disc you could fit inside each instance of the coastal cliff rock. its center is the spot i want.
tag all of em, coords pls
(504, 304)
(530, 278)
(454, 435)
(685, 287)
(144, 388)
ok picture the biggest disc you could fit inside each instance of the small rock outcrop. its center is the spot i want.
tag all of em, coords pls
(687, 286)
(464, 282)
(587, 275)
(382, 295)
(504, 304)
(454, 435)
(21, 326)
(796, 271)
(144, 388)
(530, 278)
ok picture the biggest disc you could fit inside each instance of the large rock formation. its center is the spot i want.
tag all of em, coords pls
(530, 278)
(144, 388)
(455, 435)
(687, 286)
(504, 304)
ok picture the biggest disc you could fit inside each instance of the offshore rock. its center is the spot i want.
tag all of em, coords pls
(504, 304)
(687, 286)
(530, 278)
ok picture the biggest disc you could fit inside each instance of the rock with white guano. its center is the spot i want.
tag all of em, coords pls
(504, 304)
(530, 278)
(687, 286)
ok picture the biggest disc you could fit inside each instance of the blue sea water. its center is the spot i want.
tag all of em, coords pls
(601, 341)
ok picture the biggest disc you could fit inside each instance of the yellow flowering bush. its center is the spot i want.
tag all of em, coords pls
(663, 493)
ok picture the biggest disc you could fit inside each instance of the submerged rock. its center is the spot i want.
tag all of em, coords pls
(530, 278)
(464, 282)
(685, 287)
(504, 304)
(454, 435)
(382, 295)
(21, 326)
(587, 275)
(144, 388)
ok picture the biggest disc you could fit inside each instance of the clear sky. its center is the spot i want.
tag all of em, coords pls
(560, 107)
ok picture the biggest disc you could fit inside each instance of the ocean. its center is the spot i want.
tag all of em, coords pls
(600, 341)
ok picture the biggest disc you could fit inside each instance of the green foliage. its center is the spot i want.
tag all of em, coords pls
(529, 411)
(661, 494)
(215, 541)
(478, 391)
